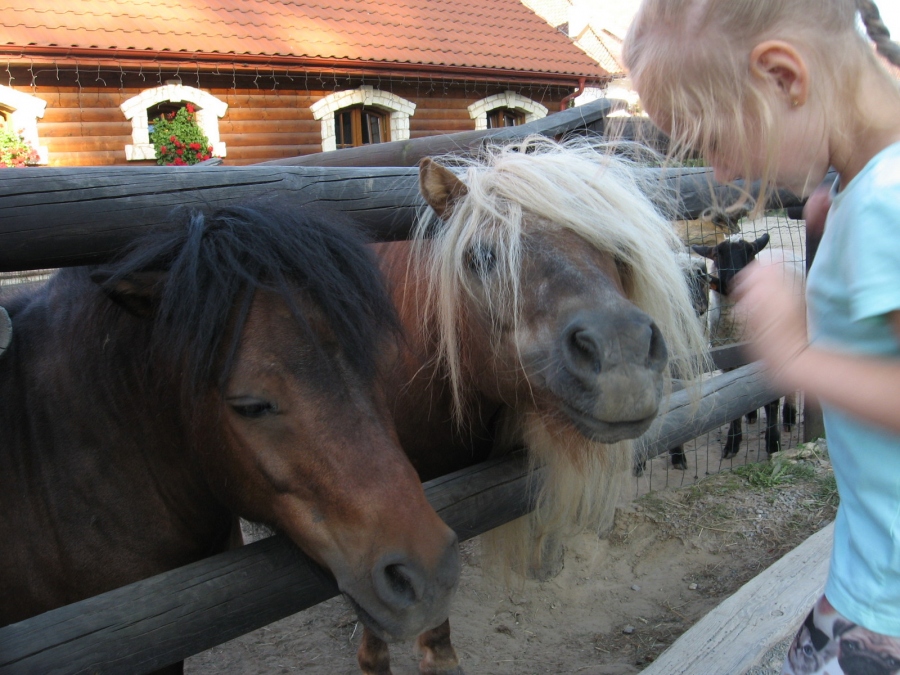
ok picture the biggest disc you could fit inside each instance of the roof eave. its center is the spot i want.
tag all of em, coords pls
(132, 57)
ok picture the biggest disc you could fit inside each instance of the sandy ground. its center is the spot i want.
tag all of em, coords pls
(619, 601)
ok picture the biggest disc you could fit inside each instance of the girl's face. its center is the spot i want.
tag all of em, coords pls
(803, 155)
(799, 156)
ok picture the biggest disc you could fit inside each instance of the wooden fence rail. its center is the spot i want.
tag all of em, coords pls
(55, 217)
(158, 621)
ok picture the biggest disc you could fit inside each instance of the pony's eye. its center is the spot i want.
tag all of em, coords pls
(481, 259)
(252, 408)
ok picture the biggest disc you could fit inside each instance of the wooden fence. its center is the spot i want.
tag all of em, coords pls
(55, 217)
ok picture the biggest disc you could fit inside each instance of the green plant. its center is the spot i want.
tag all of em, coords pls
(776, 472)
(15, 151)
(178, 138)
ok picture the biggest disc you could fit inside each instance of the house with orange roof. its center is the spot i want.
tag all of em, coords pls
(84, 80)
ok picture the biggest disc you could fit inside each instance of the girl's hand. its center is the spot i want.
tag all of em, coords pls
(771, 300)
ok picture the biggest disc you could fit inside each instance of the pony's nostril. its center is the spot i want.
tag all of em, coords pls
(398, 585)
(585, 351)
(658, 354)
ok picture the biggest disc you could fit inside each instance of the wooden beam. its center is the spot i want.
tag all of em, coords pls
(764, 611)
(721, 399)
(149, 624)
(56, 217)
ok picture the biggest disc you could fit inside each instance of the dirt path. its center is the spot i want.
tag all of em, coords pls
(618, 603)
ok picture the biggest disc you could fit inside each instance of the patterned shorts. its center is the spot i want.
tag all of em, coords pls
(829, 644)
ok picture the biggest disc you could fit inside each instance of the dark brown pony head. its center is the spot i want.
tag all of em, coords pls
(272, 325)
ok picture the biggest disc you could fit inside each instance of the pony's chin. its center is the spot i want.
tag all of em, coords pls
(389, 634)
(600, 431)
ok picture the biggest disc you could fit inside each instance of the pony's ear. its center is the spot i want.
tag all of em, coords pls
(138, 293)
(705, 251)
(440, 188)
(760, 243)
(5, 330)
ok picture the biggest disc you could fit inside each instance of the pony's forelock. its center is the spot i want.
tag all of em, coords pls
(212, 264)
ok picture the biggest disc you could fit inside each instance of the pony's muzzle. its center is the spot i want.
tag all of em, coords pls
(410, 596)
(591, 347)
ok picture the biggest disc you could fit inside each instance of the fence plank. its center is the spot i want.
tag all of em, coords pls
(767, 609)
(56, 217)
(149, 624)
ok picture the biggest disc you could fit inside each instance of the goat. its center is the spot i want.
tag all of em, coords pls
(726, 327)
(711, 228)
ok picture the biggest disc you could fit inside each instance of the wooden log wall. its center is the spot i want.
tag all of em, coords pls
(164, 619)
(268, 114)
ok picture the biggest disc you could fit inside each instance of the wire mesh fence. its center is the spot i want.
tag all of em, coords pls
(703, 456)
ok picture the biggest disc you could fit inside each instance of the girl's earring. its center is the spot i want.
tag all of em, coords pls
(795, 103)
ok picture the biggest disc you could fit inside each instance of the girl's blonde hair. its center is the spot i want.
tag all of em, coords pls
(691, 60)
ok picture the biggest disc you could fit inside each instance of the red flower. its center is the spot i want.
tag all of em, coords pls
(163, 149)
(179, 144)
(173, 138)
(179, 151)
(190, 108)
(209, 149)
(195, 146)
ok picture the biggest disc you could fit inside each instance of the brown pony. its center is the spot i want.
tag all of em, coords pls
(228, 366)
(541, 301)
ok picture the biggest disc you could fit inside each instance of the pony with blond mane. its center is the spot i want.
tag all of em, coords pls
(542, 303)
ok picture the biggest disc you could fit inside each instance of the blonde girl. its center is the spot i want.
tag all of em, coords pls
(779, 91)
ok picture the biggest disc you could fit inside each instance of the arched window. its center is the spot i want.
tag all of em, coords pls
(150, 103)
(361, 116)
(506, 109)
(504, 117)
(359, 125)
(22, 111)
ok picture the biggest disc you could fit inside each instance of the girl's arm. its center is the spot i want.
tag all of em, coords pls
(866, 387)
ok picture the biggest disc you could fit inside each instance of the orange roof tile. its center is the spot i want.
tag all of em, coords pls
(488, 34)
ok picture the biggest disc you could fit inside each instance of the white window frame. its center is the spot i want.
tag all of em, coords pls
(399, 108)
(25, 111)
(209, 110)
(479, 110)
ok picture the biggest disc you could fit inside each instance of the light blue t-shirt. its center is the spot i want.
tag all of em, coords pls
(853, 284)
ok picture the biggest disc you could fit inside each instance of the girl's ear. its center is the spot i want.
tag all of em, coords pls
(780, 64)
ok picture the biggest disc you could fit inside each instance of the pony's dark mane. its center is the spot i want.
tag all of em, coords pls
(214, 262)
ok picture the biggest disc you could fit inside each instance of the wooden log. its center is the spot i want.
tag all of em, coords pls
(55, 217)
(723, 398)
(149, 624)
(763, 612)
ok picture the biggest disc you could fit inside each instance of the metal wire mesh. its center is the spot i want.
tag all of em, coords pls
(704, 453)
